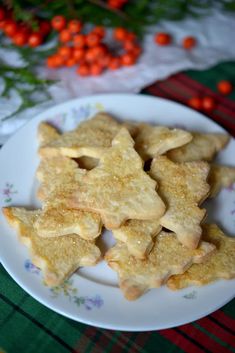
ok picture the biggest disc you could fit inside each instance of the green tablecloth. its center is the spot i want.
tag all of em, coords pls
(29, 327)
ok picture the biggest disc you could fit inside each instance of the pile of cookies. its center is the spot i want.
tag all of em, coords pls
(146, 184)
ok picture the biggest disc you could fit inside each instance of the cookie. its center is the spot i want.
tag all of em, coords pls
(138, 236)
(167, 257)
(87, 137)
(182, 186)
(59, 176)
(221, 264)
(59, 221)
(202, 147)
(47, 133)
(55, 171)
(58, 257)
(153, 141)
(220, 177)
(118, 188)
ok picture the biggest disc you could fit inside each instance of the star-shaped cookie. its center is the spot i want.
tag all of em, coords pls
(202, 147)
(153, 141)
(182, 186)
(57, 257)
(220, 177)
(221, 264)
(167, 257)
(138, 236)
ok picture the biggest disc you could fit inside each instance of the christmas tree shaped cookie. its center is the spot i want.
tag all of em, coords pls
(118, 188)
(182, 186)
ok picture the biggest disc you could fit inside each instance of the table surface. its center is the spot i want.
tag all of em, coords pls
(29, 327)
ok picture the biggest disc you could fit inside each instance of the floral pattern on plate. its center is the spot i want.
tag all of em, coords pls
(191, 295)
(68, 290)
(70, 119)
(8, 192)
(30, 267)
(231, 189)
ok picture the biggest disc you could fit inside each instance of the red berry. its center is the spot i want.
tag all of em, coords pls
(58, 23)
(24, 28)
(120, 33)
(224, 87)
(99, 30)
(114, 63)
(129, 45)
(89, 56)
(104, 60)
(70, 62)
(208, 103)
(78, 54)
(96, 69)
(128, 59)
(44, 28)
(136, 50)
(83, 70)
(58, 60)
(55, 61)
(65, 36)
(92, 39)
(35, 39)
(79, 40)
(115, 4)
(51, 62)
(10, 28)
(65, 52)
(20, 39)
(130, 36)
(195, 103)
(162, 38)
(74, 26)
(189, 42)
(99, 51)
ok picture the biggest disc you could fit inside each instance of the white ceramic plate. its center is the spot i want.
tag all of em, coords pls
(92, 295)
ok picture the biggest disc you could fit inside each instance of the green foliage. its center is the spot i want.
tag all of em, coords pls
(25, 83)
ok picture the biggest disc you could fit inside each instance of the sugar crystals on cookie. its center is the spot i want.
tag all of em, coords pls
(118, 188)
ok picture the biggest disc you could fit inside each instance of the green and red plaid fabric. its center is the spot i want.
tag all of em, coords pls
(28, 327)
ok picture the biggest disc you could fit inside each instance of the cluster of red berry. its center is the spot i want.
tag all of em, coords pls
(163, 38)
(88, 50)
(116, 4)
(208, 103)
(20, 33)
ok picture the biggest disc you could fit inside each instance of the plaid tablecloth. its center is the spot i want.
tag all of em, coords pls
(28, 327)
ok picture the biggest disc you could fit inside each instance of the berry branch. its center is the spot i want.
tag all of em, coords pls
(28, 24)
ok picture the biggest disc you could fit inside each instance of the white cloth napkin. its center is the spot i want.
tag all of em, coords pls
(214, 34)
